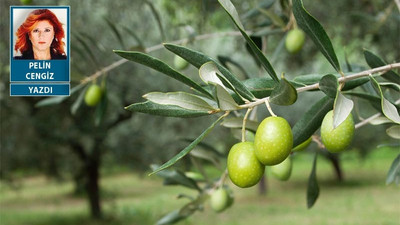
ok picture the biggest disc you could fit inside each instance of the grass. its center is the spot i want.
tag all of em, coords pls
(130, 199)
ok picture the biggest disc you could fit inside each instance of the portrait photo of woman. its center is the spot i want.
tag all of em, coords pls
(40, 37)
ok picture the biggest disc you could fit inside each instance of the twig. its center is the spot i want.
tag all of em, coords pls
(154, 48)
(244, 124)
(269, 108)
(366, 121)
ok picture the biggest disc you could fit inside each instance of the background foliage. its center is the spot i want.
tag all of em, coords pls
(30, 136)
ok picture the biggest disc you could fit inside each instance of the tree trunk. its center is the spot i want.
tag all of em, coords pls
(262, 185)
(92, 187)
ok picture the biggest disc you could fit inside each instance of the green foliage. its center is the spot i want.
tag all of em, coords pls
(230, 9)
(311, 120)
(313, 187)
(228, 86)
(316, 32)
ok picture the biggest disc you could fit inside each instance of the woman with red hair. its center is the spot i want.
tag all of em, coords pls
(40, 37)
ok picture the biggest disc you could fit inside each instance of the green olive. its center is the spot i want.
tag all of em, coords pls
(93, 95)
(180, 63)
(295, 40)
(283, 170)
(302, 146)
(338, 139)
(243, 167)
(219, 200)
(273, 141)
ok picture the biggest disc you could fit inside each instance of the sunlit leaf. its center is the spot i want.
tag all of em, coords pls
(197, 59)
(316, 32)
(394, 131)
(165, 110)
(225, 100)
(380, 120)
(394, 171)
(313, 188)
(186, 150)
(230, 9)
(388, 109)
(181, 99)
(341, 109)
(162, 67)
(208, 73)
(237, 122)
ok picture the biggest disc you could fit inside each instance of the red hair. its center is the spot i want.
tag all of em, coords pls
(24, 45)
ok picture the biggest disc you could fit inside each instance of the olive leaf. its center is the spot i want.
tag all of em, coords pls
(174, 177)
(284, 93)
(316, 32)
(311, 120)
(58, 99)
(171, 218)
(375, 61)
(197, 59)
(225, 100)
(189, 148)
(237, 122)
(394, 131)
(388, 109)
(225, 61)
(313, 188)
(181, 99)
(380, 120)
(341, 109)
(78, 102)
(329, 85)
(261, 86)
(152, 108)
(394, 171)
(231, 10)
(208, 73)
(162, 67)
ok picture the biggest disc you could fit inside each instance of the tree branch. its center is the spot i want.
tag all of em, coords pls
(154, 48)
(381, 69)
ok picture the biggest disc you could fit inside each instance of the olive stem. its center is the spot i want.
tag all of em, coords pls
(269, 108)
(317, 139)
(366, 121)
(221, 180)
(244, 124)
(381, 70)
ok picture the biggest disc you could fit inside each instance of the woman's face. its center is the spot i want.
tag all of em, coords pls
(42, 35)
